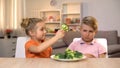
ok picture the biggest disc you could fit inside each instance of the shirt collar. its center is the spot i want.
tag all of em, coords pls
(82, 42)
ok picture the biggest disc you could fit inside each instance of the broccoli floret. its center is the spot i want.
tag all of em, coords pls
(64, 27)
(73, 54)
(69, 54)
(59, 56)
(78, 54)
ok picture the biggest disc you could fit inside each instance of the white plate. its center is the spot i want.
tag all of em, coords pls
(77, 59)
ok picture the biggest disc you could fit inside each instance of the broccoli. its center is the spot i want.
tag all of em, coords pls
(69, 54)
(78, 54)
(64, 27)
(59, 56)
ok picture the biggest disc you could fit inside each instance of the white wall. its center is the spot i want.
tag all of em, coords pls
(107, 12)
(33, 7)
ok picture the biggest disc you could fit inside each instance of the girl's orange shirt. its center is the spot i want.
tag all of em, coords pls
(44, 54)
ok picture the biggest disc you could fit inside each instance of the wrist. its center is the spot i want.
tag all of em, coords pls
(56, 37)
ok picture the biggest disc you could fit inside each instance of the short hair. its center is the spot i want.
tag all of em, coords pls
(90, 21)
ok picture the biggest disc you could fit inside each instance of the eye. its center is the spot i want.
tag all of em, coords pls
(84, 30)
(42, 29)
(91, 31)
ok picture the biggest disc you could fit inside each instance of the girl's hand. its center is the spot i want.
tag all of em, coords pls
(60, 34)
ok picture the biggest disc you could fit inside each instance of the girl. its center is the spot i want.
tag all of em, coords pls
(37, 47)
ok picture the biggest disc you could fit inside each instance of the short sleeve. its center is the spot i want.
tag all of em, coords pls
(72, 45)
(29, 43)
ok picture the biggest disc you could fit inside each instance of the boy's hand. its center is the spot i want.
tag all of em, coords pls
(89, 56)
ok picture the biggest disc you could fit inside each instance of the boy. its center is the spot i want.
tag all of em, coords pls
(87, 45)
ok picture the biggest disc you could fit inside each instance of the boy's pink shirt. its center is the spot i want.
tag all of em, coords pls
(94, 48)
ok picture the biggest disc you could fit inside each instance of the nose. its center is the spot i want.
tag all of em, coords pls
(45, 31)
(87, 33)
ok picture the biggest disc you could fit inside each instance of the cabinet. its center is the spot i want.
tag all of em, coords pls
(7, 47)
(71, 14)
(52, 19)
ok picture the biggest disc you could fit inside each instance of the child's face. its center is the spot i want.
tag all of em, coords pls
(87, 33)
(40, 31)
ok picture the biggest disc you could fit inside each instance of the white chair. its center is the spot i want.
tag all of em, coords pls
(102, 41)
(20, 47)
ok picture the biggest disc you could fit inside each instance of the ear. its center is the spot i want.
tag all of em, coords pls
(31, 33)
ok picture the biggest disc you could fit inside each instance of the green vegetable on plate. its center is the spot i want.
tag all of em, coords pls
(68, 54)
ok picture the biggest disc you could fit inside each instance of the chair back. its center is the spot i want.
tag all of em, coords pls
(20, 47)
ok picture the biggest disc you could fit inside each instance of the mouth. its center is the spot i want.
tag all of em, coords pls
(87, 39)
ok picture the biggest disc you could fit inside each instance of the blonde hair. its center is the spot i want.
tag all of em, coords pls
(90, 21)
(29, 24)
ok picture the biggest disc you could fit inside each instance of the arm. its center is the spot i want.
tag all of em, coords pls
(48, 43)
(89, 56)
(103, 55)
(100, 56)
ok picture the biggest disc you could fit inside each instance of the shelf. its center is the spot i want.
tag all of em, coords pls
(50, 10)
(51, 15)
(52, 18)
(70, 8)
(71, 14)
(73, 24)
(54, 22)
